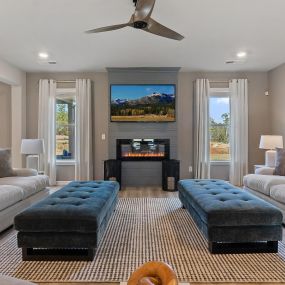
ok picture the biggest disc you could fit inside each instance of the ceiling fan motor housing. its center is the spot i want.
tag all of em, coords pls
(140, 25)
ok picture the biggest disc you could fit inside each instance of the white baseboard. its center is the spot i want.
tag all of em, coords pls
(62, 183)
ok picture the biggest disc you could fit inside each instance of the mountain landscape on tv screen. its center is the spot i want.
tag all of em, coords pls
(155, 107)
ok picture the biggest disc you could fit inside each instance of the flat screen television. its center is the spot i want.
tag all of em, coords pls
(143, 103)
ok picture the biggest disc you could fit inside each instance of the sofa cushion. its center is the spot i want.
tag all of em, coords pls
(277, 192)
(29, 185)
(9, 195)
(262, 183)
(265, 170)
(280, 162)
(5, 163)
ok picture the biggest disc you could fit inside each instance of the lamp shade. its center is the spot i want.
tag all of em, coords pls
(271, 142)
(30, 146)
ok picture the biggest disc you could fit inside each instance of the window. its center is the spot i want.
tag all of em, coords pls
(65, 125)
(219, 107)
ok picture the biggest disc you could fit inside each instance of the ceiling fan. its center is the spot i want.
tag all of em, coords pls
(141, 19)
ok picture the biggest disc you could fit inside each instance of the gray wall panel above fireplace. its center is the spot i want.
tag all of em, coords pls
(143, 173)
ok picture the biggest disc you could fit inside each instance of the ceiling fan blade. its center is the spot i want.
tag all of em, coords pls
(108, 28)
(143, 9)
(160, 30)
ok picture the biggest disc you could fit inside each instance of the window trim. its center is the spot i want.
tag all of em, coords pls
(220, 162)
(220, 93)
(65, 162)
(65, 92)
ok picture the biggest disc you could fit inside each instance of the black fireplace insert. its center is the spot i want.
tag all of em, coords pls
(143, 149)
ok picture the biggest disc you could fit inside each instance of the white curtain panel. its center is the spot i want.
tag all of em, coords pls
(239, 131)
(83, 131)
(46, 126)
(201, 130)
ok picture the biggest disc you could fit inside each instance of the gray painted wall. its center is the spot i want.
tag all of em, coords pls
(142, 173)
(277, 100)
(259, 117)
(5, 116)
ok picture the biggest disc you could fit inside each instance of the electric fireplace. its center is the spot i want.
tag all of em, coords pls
(142, 149)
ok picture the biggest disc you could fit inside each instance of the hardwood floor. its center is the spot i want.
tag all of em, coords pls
(133, 193)
(141, 192)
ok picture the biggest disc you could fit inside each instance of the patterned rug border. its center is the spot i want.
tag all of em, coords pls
(144, 229)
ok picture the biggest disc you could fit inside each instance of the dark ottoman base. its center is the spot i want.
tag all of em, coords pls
(231, 219)
(69, 224)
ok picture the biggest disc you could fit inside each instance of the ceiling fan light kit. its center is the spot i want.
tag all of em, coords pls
(141, 19)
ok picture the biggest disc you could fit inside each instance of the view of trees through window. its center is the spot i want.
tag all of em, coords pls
(65, 127)
(219, 129)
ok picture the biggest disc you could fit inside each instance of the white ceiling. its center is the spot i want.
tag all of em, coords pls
(214, 30)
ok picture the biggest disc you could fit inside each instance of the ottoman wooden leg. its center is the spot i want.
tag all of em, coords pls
(213, 247)
(91, 254)
(272, 246)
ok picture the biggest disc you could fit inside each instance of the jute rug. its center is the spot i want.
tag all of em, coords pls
(144, 229)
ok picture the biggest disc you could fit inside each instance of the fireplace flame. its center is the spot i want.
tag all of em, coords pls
(131, 154)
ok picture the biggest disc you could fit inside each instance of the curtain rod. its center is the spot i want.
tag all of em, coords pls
(217, 81)
(228, 81)
(65, 81)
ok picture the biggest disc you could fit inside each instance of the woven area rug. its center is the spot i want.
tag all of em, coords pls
(144, 229)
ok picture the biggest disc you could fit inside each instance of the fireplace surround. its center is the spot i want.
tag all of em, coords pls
(143, 149)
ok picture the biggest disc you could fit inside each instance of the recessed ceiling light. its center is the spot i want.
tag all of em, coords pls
(43, 55)
(241, 54)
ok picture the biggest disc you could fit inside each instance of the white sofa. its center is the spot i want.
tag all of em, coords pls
(267, 186)
(19, 192)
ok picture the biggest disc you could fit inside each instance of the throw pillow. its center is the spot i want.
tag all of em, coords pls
(5, 163)
(280, 162)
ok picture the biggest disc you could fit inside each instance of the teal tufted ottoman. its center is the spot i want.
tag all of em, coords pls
(231, 219)
(69, 224)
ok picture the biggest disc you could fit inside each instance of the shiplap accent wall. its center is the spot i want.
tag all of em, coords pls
(143, 173)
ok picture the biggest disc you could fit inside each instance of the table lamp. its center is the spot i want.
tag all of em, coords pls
(32, 148)
(270, 143)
